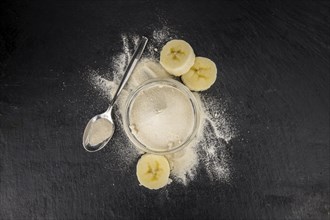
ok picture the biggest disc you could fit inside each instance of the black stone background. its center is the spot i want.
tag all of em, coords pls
(273, 61)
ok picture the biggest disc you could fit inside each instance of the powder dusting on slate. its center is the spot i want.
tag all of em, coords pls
(207, 151)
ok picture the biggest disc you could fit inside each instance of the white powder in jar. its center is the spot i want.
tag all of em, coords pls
(161, 117)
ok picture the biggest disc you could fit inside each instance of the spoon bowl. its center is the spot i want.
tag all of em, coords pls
(87, 143)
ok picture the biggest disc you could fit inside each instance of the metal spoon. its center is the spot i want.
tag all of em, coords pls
(106, 117)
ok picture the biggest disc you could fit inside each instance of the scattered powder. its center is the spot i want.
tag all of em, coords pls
(215, 114)
(184, 163)
(161, 35)
(208, 150)
(120, 61)
(136, 40)
(126, 48)
(106, 87)
(216, 132)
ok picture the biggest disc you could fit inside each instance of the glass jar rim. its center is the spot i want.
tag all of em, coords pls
(156, 82)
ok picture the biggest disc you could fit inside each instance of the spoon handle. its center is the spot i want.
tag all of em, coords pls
(135, 58)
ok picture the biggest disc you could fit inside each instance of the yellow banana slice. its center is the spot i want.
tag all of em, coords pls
(201, 75)
(153, 171)
(177, 56)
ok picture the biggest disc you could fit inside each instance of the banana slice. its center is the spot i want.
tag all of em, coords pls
(201, 75)
(177, 56)
(153, 171)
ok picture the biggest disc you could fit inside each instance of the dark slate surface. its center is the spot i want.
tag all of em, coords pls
(273, 61)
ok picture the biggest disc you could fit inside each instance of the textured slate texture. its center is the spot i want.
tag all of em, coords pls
(273, 61)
